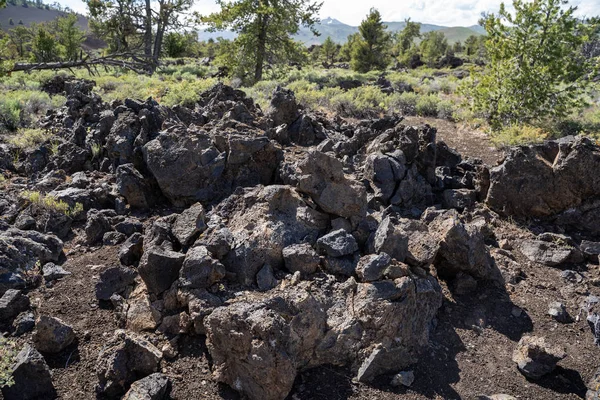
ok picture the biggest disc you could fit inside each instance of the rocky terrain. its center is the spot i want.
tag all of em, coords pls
(226, 251)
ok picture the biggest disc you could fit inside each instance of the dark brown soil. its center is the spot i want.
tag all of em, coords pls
(468, 141)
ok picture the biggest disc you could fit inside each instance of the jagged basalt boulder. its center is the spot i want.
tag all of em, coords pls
(545, 179)
(262, 222)
(32, 378)
(259, 343)
(322, 177)
(124, 359)
(212, 166)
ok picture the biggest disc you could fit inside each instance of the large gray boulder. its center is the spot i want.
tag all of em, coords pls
(322, 177)
(535, 358)
(259, 343)
(262, 222)
(20, 251)
(152, 387)
(124, 359)
(191, 165)
(12, 303)
(52, 335)
(32, 378)
(132, 185)
(545, 179)
(462, 248)
(159, 268)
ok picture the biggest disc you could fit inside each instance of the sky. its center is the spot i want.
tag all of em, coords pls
(439, 12)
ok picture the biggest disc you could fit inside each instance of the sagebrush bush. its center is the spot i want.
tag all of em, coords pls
(515, 134)
(29, 138)
(405, 103)
(427, 106)
(445, 110)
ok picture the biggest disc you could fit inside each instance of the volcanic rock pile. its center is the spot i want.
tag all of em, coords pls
(284, 239)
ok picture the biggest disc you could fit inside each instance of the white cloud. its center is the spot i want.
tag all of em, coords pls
(440, 12)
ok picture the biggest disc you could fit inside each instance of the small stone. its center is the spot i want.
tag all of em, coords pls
(301, 258)
(558, 311)
(404, 378)
(114, 280)
(371, 267)
(113, 238)
(571, 276)
(25, 322)
(152, 387)
(52, 335)
(337, 244)
(535, 358)
(12, 303)
(265, 278)
(516, 312)
(169, 351)
(52, 272)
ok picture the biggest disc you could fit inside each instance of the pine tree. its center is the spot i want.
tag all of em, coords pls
(537, 67)
(70, 36)
(329, 51)
(371, 50)
(264, 29)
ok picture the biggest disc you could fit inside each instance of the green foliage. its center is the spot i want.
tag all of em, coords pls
(370, 51)
(427, 106)
(44, 46)
(22, 107)
(329, 51)
(264, 31)
(29, 138)
(433, 47)
(70, 36)
(20, 38)
(536, 67)
(346, 49)
(8, 354)
(517, 134)
(176, 44)
(406, 37)
(52, 204)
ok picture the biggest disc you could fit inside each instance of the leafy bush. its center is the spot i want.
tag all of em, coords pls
(362, 102)
(445, 110)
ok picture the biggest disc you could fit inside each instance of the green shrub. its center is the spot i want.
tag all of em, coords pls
(427, 106)
(51, 203)
(29, 138)
(8, 354)
(519, 134)
(445, 110)
(362, 102)
(405, 103)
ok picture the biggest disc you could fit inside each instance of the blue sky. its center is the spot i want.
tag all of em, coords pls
(440, 12)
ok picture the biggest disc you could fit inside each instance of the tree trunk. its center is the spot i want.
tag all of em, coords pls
(148, 31)
(261, 48)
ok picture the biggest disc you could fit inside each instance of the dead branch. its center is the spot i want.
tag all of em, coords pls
(133, 62)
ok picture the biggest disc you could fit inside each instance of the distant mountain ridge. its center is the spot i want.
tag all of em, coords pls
(29, 15)
(339, 32)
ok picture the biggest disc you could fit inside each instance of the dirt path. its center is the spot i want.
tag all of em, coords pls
(469, 142)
